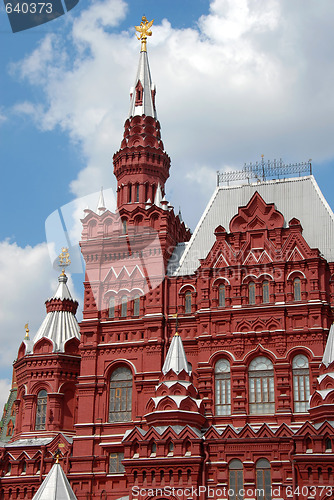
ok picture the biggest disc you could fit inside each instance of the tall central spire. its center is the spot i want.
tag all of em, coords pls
(143, 93)
(141, 165)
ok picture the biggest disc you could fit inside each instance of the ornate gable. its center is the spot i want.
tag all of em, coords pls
(257, 214)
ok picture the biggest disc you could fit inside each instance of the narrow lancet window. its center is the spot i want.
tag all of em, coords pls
(251, 293)
(301, 383)
(41, 410)
(223, 387)
(221, 301)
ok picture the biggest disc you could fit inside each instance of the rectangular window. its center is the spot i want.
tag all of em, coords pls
(261, 395)
(223, 395)
(115, 463)
(301, 391)
(236, 485)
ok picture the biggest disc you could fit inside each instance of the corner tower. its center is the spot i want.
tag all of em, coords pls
(141, 165)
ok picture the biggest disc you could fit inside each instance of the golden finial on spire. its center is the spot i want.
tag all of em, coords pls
(57, 455)
(27, 332)
(64, 259)
(143, 29)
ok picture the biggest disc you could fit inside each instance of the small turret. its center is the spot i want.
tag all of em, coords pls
(176, 400)
(322, 400)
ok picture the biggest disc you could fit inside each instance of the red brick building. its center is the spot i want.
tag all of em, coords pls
(198, 356)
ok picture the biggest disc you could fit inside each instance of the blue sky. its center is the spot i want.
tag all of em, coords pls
(235, 79)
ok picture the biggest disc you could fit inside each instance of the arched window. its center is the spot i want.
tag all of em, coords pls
(41, 410)
(222, 387)
(221, 296)
(263, 479)
(187, 302)
(296, 289)
(251, 293)
(265, 292)
(153, 449)
(111, 308)
(120, 395)
(261, 386)
(91, 228)
(170, 448)
(236, 480)
(124, 226)
(136, 305)
(328, 444)
(124, 306)
(301, 383)
(24, 467)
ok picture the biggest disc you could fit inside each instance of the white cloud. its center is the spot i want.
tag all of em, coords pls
(27, 280)
(255, 77)
(3, 117)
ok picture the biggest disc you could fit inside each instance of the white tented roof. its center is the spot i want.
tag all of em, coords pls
(55, 486)
(176, 358)
(298, 197)
(328, 356)
(59, 325)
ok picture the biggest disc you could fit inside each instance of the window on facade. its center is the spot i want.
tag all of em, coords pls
(187, 302)
(124, 306)
(251, 292)
(120, 395)
(265, 292)
(23, 468)
(115, 463)
(136, 305)
(137, 193)
(236, 480)
(301, 383)
(223, 387)
(297, 289)
(261, 386)
(153, 449)
(124, 226)
(328, 444)
(263, 480)
(111, 308)
(136, 450)
(41, 410)
(170, 448)
(129, 193)
(221, 298)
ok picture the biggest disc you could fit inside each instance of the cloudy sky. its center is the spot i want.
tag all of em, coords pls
(235, 79)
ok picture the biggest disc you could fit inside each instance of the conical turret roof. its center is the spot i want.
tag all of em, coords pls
(60, 323)
(176, 358)
(328, 356)
(101, 206)
(55, 486)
